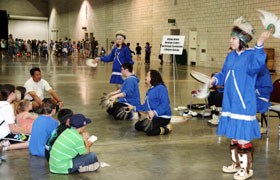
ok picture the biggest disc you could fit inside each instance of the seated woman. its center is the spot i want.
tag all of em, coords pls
(156, 106)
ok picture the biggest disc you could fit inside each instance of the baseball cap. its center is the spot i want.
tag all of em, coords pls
(79, 120)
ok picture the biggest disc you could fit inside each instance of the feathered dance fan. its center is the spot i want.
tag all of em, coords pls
(106, 101)
(123, 113)
(270, 22)
(147, 123)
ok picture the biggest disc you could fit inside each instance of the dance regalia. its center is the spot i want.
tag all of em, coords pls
(238, 76)
(119, 57)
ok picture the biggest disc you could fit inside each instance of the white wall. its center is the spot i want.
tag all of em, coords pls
(26, 29)
(146, 21)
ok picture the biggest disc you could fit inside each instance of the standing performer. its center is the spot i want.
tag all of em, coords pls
(238, 76)
(119, 56)
(127, 95)
(156, 106)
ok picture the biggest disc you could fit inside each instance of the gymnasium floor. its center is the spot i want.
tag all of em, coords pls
(193, 151)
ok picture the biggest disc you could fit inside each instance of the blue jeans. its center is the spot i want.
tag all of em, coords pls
(11, 51)
(83, 160)
(91, 53)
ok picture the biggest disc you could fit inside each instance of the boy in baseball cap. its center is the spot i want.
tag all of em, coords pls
(71, 150)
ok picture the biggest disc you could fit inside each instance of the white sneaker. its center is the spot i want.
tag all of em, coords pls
(214, 120)
(89, 168)
(230, 169)
(206, 113)
(242, 174)
(192, 113)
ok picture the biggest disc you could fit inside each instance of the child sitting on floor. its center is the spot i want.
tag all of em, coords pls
(42, 128)
(24, 118)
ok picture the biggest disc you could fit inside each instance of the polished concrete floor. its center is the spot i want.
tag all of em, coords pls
(193, 151)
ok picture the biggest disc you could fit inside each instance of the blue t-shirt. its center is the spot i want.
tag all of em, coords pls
(41, 130)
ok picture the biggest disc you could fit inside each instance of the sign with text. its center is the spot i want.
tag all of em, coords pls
(172, 44)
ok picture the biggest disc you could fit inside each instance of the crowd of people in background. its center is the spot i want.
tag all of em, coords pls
(63, 48)
(35, 48)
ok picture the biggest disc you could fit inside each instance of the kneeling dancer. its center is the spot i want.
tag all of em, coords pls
(156, 106)
(127, 95)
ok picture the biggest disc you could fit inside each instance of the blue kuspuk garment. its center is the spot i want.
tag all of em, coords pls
(238, 76)
(130, 89)
(263, 89)
(156, 100)
(119, 57)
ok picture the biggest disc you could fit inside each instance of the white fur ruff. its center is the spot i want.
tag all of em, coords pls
(204, 91)
(268, 19)
(122, 33)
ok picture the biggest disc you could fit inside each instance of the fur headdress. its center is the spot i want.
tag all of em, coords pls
(270, 22)
(121, 33)
(243, 30)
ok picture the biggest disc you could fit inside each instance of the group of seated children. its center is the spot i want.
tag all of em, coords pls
(65, 146)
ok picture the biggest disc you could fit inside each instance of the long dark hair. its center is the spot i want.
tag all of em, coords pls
(242, 45)
(123, 44)
(22, 91)
(155, 78)
(5, 91)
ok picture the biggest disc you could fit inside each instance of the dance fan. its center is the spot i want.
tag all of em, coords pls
(124, 113)
(204, 91)
(106, 101)
(200, 77)
(91, 63)
(271, 23)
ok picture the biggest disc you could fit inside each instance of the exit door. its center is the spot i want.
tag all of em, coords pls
(192, 47)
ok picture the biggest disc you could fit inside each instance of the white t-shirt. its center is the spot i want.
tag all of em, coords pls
(6, 117)
(2, 45)
(37, 87)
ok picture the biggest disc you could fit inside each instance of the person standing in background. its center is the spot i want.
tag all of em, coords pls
(148, 53)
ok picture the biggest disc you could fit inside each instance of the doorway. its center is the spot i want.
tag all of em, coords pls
(90, 36)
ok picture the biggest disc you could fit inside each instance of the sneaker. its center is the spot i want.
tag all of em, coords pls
(214, 120)
(242, 174)
(230, 169)
(206, 113)
(90, 168)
